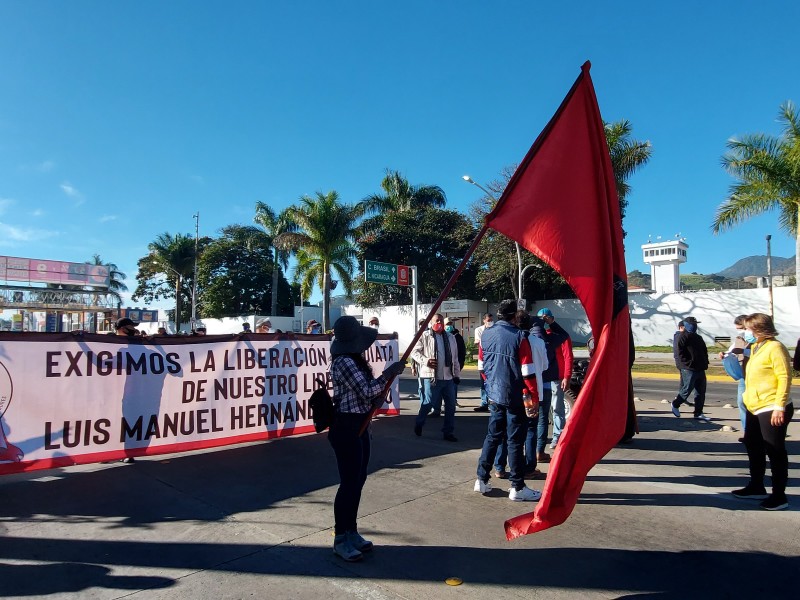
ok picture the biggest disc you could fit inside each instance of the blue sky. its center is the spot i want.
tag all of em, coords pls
(120, 120)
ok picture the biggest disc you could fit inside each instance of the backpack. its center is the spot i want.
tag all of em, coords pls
(322, 409)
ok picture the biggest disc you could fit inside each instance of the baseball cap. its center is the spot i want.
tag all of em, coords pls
(124, 322)
(311, 323)
(544, 312)
(690, 320)
(447, 321)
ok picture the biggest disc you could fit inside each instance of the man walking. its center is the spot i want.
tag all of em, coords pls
(487, 322)
(693, 361)
(436, 354)
(506, 361)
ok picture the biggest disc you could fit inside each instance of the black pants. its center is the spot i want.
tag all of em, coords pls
(352, 457)
(763, 439)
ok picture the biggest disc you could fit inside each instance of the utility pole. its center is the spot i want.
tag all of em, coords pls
(194, 279)
(769, 277)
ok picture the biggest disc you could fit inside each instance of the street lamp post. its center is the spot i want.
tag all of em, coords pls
(769, 277)
(520, 270)
(194, 280)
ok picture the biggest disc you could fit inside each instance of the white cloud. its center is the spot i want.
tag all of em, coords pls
(73, 193)
(38, 213)
(9, 234)
(107, 218)
(5, 203)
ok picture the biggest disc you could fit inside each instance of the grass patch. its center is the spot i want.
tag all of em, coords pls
(671, 369)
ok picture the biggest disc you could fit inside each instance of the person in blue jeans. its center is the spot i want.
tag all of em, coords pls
(436, 353)
(488, 321)
(741, 349)
(506, 362)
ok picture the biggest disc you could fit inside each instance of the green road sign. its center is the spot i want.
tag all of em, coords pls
(378, 272)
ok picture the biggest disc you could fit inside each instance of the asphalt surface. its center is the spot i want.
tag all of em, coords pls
(655, 520)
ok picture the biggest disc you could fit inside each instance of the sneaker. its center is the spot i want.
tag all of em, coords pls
(128, 460)
(500, 474)
(344, 549)
(483, 487)
(526, 494)
(775, 503)
(751, 493)
(542, 457)
(703, 418)
(481, 408)
(675, 410)
(358, 542)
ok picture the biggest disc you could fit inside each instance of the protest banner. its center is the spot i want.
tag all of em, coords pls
(70, 399)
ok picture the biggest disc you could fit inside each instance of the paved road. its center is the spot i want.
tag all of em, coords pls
(655, 520)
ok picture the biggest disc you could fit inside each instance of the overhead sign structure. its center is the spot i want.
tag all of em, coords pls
(387, 273)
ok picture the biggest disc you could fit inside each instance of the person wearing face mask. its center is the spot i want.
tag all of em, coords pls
(692, 355)
(436, 353)
(740, 349)
(488, 321)
(374, 323)
(313, 327)
(768, 382)
(461, 347)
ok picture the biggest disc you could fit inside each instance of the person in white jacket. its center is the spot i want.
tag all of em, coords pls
(436, 354)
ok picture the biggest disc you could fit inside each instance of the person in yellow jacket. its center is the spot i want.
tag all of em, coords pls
(768, 380)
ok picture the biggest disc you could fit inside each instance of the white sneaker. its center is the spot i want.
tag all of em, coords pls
(526, 494)
(344, 549)
(704, 418)
(483, 488)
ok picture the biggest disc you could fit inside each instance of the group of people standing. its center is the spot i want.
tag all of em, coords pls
(763, 370)
(525, 364)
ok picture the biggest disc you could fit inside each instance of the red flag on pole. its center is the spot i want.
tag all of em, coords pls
(562, 205)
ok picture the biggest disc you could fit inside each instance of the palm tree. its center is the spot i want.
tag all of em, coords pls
(323, 242)
(627, 155)
(768, 172)
(173, 256)
(116, 278)
(274, 225)
(400, 196)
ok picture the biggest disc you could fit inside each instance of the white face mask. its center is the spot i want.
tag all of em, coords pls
(738, 333)
(373, 325)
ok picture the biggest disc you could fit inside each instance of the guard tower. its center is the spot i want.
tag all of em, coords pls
(665, 259)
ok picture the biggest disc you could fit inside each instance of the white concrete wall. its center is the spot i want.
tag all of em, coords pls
(654, 317)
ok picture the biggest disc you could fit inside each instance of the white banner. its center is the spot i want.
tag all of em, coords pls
(68, 399)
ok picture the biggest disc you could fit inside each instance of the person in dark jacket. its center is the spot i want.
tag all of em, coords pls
(461, 347)
(692, 360)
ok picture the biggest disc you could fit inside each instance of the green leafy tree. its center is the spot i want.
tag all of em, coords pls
(274, 224)
(236, 274)
(399, 196)
(169, 263)
(432, 239)
(323, 244)
(767, 172)
(627, 156)
(116, 279)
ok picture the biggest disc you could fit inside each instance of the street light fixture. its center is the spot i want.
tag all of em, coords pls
(520, 270)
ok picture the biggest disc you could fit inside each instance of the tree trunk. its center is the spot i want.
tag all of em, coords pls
(797, 256)
(274, 305)
(177, 304)
(326, 299)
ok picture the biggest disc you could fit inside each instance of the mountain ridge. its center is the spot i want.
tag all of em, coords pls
(756, 266)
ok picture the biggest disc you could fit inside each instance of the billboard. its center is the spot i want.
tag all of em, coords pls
(32, 270)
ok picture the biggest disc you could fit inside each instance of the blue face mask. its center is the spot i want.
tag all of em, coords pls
(449, 328)
(690, 327)
(749, 337)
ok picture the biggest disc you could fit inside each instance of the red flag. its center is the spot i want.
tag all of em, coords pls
(562, 205)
